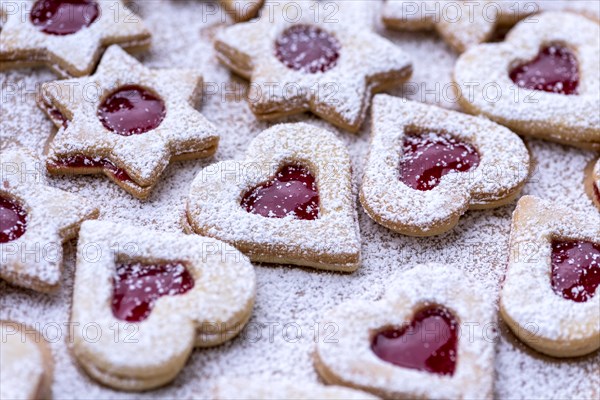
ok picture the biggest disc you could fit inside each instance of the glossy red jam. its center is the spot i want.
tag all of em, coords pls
(554, 70)
(13, 220)
(575, 269)
(137, 286)
(80, 161)
(131, 110)
(63, 17)
(293, 192)
(428, 344)
(307, 48)
(427, 157)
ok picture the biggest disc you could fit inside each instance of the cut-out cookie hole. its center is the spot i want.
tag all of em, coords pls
(428, 343)
(13, 219)
(81, 161)
(63, 17)
(575, 269)
(137, 286)
(427, 156)
(307, 48)
(291, 193)
(131, 110)
(555, 69)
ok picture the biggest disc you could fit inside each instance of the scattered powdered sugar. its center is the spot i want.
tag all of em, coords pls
(478, 245)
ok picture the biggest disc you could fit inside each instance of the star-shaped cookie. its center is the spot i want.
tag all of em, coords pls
(126, 121)
(36, 220)
(67, 36)
(311, 63)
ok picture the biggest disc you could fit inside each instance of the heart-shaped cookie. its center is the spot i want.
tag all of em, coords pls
(427, 166)
(541, 81)
(550, 298)
(26, 363)
(151, 297)
(592, 181)
(431, 336)
(290, 201)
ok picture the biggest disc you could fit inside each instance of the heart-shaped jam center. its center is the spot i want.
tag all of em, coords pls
(292, 193)
(131, 110)
(13, 220)
(307, 48)
(137, 286)
(81, 161)
(427, 344)
(429, 156)
(554, 70)
(63, 17)
(575, 269)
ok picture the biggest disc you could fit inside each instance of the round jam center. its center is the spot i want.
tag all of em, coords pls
(137, 286)
(307, 48)
(427, 344)
(293, 192)
(13, 220)
(554, 70)
(63, 17)
(428, 157)
(575, 269)
(131, 110)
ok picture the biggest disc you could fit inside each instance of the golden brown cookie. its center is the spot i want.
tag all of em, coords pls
(290, 201)
(427, 166)
(550, 297)
(592, 181)
(67, 36)
(152, 297)
(542, 81)
(242, 10)
(126, 121)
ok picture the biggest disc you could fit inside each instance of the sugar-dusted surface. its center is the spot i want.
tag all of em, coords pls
(477, 245)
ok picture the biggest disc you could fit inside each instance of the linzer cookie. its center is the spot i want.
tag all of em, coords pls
(242, 10)
(430, 337)
(541, 81)
(126, 121)
(25, 361)
(266, 388)
(427, 166)
(290, 201)
(311, 64)
(592, 182)
(68, 36)
(165, 293)
(462, 24)
(550, 298)
(35, 221)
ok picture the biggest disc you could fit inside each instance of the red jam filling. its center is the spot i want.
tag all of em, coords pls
(428, 157)
(575, 269)
(597, 192)
(64, 17)
(293, 192)
(427, 344)
(554, 70)
(307, 48)
(80, 161)
(13, 220)
(131, 110)
(137, 286)
(57, 115)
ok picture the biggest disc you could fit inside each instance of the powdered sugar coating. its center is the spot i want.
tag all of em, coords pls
(69, 55)
(34, 260)
(331, 241)
(222, 298)
(340, 95)
(528, 300)
(182, 132)
(486, 88)
(352, 362)
(502, 170)
(182, 39)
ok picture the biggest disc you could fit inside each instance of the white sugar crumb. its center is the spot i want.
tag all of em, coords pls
(478, 245)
